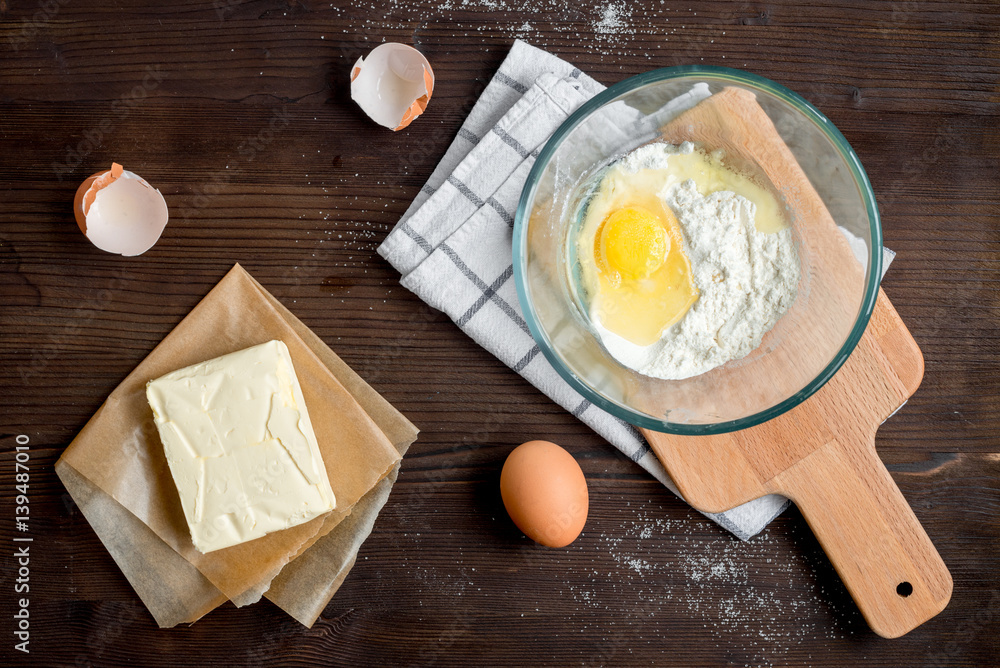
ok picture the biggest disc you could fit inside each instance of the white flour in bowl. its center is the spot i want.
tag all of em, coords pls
(746, 279)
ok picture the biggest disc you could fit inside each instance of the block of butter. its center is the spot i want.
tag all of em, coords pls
(240, 446)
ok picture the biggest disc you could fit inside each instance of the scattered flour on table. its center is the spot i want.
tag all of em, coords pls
(716, 581)
(615, 19)
(645, 573)
(608, 27)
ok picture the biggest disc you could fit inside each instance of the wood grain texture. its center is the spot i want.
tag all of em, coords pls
(821, 453)
(445, 578)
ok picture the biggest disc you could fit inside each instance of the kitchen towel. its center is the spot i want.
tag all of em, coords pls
(453, 244)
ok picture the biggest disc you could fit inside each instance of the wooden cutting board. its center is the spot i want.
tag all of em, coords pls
(820, 454)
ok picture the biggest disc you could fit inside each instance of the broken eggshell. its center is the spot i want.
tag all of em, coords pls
(120, 212)
(393, 84)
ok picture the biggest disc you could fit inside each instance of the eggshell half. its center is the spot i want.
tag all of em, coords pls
(393, 84)
(545, 493)
(120, 212)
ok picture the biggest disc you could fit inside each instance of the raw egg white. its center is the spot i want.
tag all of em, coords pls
(119, 212)
(631, 248)
(638, 274)
(545, 493)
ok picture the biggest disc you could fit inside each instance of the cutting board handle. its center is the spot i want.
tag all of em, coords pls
(873, 539)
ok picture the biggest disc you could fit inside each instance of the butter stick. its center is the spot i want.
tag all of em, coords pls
(240, 446)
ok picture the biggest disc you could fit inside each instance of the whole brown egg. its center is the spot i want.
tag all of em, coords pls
(545, 493)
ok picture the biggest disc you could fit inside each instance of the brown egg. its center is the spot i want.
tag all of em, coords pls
(545, 493)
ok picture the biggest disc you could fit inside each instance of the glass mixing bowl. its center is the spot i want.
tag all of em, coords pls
(798, 154)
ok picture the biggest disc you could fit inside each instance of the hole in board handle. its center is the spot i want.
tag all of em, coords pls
(904, 589)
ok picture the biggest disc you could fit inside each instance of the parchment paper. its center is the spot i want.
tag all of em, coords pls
(306, 585)
(116, 472)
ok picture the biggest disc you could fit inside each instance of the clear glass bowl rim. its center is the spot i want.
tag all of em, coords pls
(724, 75)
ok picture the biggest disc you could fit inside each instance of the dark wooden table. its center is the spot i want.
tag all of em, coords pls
(178, 91)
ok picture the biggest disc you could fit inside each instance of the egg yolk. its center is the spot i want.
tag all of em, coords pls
(645, 277)
(632, 243)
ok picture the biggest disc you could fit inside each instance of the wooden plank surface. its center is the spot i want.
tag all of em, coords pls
(820, 454)
(445, 578)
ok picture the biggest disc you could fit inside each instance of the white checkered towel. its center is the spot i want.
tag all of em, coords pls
(453, 244)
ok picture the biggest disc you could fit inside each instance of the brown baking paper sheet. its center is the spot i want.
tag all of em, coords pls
(306, 585)
(116, 471)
